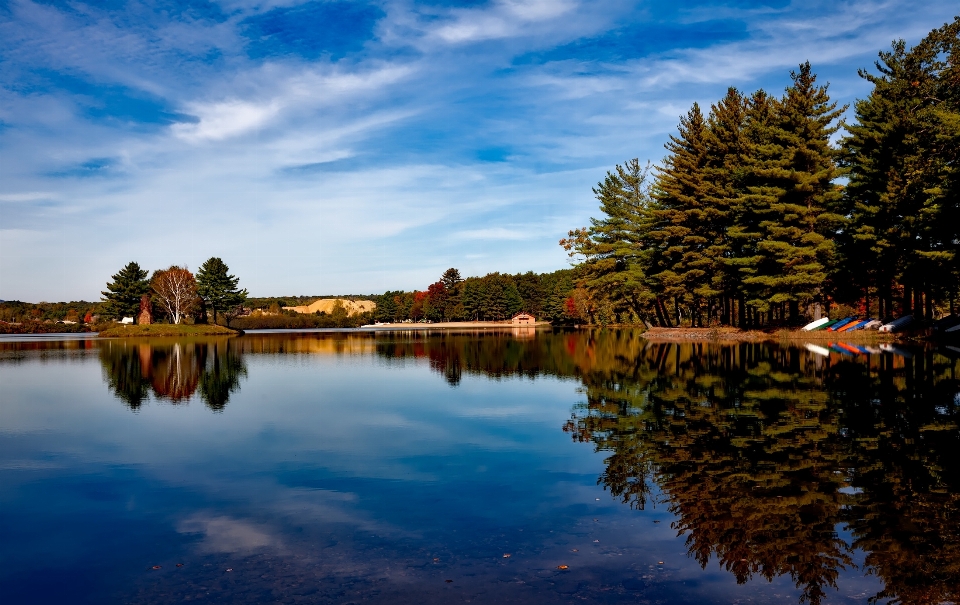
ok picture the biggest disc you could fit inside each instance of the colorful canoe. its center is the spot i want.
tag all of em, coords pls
(854, 326)
(813, 325)
(840, 324)
(826, 325)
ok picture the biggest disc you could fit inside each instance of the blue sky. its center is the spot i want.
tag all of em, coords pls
(353, 147)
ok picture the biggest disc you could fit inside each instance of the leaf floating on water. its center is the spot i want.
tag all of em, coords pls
(156, 567)
(562, 567)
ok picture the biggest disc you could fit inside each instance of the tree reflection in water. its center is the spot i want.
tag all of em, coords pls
(172, 371)
(762, 452)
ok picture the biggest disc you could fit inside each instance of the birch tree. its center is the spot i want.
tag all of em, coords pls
(175, 290)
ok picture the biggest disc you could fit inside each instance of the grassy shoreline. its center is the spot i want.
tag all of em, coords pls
(166, 330)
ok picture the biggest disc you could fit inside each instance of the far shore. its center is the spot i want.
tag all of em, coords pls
(455, 325)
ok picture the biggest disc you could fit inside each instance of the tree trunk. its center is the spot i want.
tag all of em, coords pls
(659, 311)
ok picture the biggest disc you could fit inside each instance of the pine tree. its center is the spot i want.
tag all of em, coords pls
(696, 192)
(871, 251)
(794, 195)
(724, 175)
(903, 159)
(451, 278)
(123, 294)
(753, 206)
(682, 271)
(616, 248)
(217, 287)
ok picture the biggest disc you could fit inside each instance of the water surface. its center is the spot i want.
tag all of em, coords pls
(405, 467)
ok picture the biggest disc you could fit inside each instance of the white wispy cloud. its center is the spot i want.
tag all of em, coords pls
(307, 89)
(506, 18)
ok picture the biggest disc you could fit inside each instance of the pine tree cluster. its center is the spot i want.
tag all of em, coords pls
(748, 222)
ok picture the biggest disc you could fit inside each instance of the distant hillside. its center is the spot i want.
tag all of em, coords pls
(325, 305)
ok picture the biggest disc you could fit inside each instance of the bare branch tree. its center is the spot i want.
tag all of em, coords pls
(175, 290)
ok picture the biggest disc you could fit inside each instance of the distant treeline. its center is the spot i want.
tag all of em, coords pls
(495, 296)
(756, 216)
(19, 317)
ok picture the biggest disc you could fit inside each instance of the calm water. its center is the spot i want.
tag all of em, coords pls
(404, 468)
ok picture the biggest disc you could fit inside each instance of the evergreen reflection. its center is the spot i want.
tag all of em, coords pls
(763, 452)
(173, 371)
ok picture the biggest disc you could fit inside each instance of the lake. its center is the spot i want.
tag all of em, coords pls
(497, 467)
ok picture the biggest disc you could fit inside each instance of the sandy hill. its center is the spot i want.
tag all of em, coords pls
(326, 305)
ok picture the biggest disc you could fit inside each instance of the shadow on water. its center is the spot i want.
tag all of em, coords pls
(172, 371)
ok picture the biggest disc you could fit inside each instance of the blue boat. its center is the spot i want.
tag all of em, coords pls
(858, 325)
(897, 324)
(841, 323)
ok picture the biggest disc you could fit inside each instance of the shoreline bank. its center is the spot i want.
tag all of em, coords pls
(455, 325)
(738, 335)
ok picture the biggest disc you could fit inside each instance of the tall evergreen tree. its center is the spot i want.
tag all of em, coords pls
(217, 287)
(794, 169)
(902, 154)
(123, 294)
(682, 271)
(616, 248)
(696, 193)
(753, 208)
(724, 177)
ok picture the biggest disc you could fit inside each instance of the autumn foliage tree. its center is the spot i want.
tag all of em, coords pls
(175, 291)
